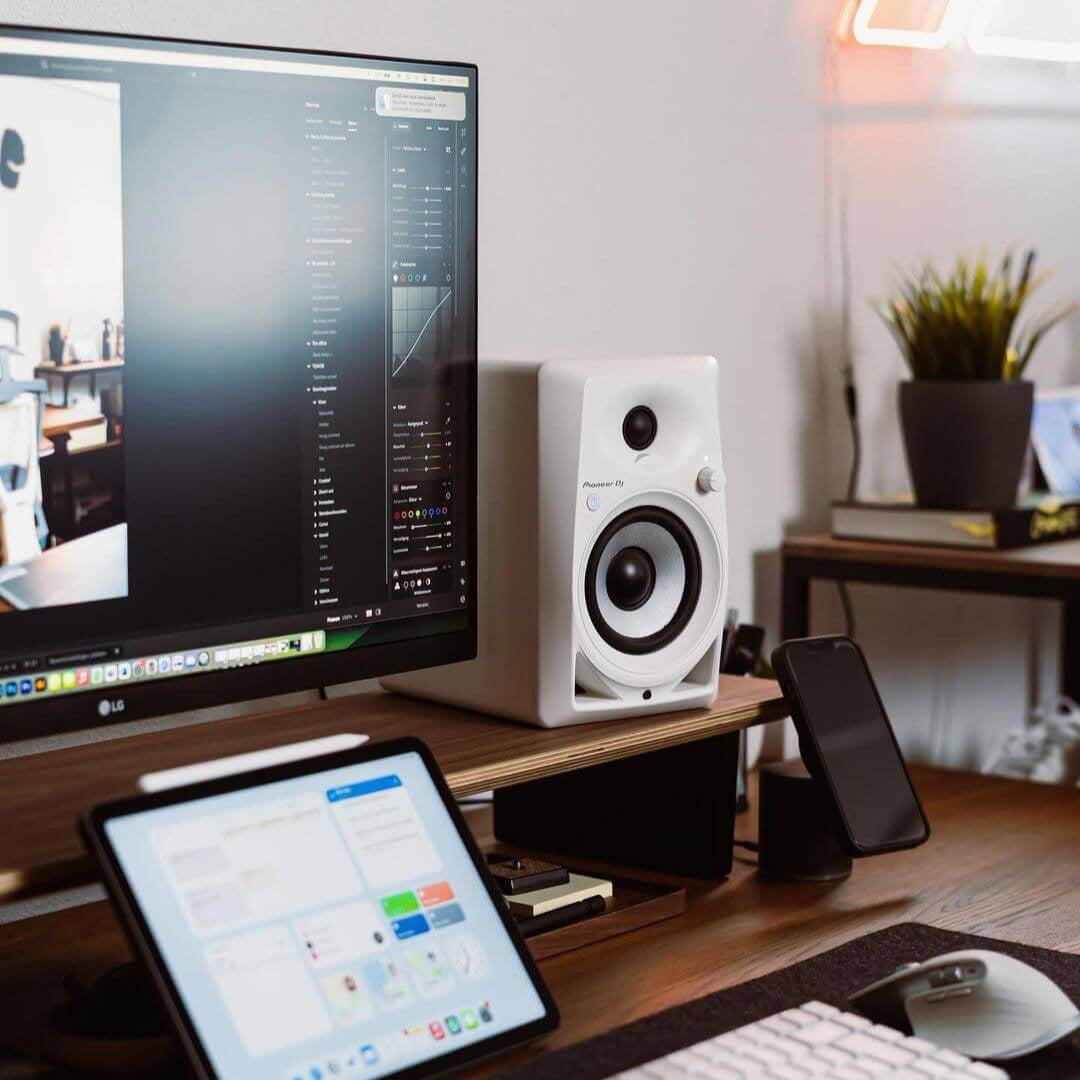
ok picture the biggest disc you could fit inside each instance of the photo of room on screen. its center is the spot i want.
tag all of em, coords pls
(62, 344)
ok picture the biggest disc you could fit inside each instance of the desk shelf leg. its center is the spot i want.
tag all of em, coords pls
(1070, 646)
(671, 811)
(794, 601)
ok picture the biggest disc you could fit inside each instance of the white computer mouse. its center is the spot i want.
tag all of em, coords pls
(979, 1003)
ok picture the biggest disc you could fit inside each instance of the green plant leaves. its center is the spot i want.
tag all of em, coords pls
(960, 326)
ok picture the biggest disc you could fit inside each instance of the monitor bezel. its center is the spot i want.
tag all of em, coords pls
(137, 701)
(93, 829)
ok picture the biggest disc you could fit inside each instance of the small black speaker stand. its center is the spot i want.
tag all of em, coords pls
(671, 810)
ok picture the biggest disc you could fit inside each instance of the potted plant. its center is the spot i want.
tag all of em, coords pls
(965, 413)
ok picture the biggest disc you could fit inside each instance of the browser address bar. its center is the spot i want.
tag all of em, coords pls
(124, 54)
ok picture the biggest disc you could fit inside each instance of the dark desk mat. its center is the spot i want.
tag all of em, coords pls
(829, 977)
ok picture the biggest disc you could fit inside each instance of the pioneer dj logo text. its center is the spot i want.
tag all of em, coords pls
(601, 484)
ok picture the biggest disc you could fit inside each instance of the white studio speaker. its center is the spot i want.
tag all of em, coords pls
(602, 542)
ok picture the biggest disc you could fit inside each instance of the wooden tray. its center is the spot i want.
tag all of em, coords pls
(632, 905)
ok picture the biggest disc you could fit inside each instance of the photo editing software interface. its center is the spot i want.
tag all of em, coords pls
(331, 925)
(243, 299)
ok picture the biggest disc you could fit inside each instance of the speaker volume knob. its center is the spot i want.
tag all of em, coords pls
(710, 480)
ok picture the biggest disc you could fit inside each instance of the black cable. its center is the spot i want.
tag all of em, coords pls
(849, 610)
(750, 845)
(851, 399)
(323, 694)
(851, 405)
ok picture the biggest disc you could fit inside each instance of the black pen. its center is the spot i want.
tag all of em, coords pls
(564, 916)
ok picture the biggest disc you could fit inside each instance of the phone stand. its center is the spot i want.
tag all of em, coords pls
(796, 827)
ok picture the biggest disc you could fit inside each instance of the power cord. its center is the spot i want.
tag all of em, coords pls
(851, 405)
(747, 845)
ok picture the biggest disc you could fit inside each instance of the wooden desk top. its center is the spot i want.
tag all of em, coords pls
(78, 367)
(42, 795)
(1055, 560)
(1002, 861)
(60, 421)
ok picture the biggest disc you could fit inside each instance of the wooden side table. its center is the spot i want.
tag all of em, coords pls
(1050, 571)
(68, 372)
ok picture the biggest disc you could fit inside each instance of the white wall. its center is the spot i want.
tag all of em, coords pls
(63, 218)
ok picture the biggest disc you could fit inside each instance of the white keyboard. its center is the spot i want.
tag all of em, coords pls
(814, 1042)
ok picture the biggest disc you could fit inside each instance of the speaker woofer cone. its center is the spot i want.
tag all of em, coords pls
(668, 604)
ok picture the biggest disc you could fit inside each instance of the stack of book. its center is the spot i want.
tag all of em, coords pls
(1036, 519)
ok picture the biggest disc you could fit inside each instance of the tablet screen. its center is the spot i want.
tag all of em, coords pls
(327, 925)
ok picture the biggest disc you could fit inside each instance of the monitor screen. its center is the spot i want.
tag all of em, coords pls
(238, 333)
(332, 924)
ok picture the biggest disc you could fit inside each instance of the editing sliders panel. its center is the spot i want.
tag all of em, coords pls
(422, 497)
(422, 227)
(423, 211)
(380, 267)
(343, 260)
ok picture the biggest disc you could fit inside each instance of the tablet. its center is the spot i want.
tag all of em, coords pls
(321, 919)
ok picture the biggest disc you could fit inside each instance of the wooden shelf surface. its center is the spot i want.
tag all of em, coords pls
(41, 796)
(1060, 559)
(79, 367)
(62, 421)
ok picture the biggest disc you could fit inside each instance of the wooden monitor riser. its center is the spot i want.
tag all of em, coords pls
(41, 796)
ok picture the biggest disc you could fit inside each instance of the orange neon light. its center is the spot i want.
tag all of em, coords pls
(866, 31)
(843, 24)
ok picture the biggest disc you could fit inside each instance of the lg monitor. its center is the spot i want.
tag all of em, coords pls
(238, 379)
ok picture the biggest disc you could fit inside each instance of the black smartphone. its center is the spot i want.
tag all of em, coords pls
(848, 744)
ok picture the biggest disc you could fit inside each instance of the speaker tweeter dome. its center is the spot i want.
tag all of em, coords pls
(639, 427)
